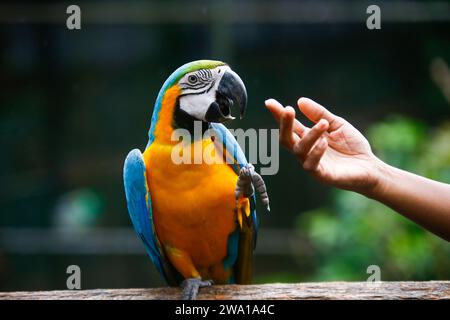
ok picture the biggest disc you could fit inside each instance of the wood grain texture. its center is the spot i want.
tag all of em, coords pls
(322, 290)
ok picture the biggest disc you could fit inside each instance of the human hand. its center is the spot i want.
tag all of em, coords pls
(332, 150)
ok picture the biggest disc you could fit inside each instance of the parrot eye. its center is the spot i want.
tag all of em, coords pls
(192, 79)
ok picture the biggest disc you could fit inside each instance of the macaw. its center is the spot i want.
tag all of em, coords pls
(197, 221)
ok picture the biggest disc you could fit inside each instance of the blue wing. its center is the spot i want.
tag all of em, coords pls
(140, 209)
(233, 150)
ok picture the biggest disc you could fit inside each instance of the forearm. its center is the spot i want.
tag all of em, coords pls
(422, 200)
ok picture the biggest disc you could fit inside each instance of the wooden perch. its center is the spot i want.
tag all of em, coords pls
(324, 290)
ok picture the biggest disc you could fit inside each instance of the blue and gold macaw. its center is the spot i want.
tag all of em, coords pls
(197, 221)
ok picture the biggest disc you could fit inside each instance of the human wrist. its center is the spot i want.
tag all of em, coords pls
(381, 176)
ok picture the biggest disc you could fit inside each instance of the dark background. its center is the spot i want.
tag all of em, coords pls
(73, 103)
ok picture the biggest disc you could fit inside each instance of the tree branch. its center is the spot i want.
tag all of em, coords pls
(322, 290)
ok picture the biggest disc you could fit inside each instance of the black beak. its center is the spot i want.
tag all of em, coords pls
(231, 92)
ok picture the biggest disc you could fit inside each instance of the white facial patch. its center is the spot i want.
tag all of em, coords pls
(199, 90)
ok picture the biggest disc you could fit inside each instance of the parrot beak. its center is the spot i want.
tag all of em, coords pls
(230, 92)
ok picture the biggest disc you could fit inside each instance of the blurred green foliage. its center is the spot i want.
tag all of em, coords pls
(355, 232)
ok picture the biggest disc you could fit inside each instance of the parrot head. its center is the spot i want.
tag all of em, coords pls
(202, 90)
(209, 89)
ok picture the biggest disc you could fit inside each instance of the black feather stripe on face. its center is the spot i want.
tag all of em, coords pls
(196, 86)
(205, 74)
(200, 92)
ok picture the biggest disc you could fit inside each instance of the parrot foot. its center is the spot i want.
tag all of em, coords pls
(192, 285)
(248, 180)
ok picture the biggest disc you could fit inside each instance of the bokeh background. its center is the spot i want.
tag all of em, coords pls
(73, 103)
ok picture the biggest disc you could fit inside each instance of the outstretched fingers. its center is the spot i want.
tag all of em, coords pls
(309, 145)
(278, 111)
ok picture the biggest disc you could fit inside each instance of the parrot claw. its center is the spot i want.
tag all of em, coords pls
(248, 181)
(192, 285)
